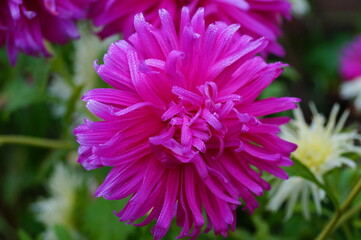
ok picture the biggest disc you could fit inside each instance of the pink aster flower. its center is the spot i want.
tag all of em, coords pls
(351, 72)
(182, 129)
(258, 18)
(351, 60)
(24, 24)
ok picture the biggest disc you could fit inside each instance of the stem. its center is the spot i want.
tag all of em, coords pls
(354, 192)
(327, 230)
(332, 224)
(34, 141)
(347, 232)
(354, 210)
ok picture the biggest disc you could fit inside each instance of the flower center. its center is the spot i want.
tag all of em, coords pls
(313, 153)
(315, 146)
(192, 121)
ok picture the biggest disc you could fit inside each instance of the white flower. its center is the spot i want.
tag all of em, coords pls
(300, 7)
(60, 90)
(88, 48)
(58, 208)
(352, 89)
(321, 147)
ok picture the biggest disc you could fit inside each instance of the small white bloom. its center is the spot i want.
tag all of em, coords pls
(300, 7)
(87, 49)
(352, 90)
(58, 208)
(60, 91)
(321, 147)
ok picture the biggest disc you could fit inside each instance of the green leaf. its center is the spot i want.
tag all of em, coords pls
(24, 235)
(29, 95)
(262, 228)
(62, 233)
(25, 84)
(292, 74)
(99, 213)
(276, 89)
(39, 69)
(300, 170)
